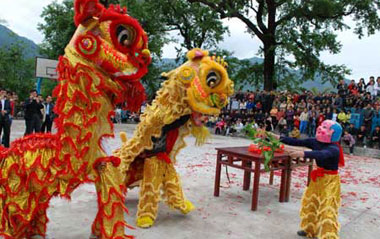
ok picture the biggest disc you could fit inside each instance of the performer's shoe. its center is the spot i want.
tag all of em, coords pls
(189, 207)
(302, 233)
(144, 222)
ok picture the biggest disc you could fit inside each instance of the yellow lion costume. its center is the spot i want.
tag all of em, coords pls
(197, 88)
(102, 66)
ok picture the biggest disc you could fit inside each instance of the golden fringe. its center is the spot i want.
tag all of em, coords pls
(169, 105)
(201, 134)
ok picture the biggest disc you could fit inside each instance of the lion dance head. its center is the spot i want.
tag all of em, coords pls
(113, 43)
(207, 84)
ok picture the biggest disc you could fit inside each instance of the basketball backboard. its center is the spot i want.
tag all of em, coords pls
(46, 68)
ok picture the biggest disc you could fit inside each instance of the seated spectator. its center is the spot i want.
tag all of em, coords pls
(268, 124)
(295, 133)
(239, 126)
(342, 118)
(361, 138)
(219, 126)
(284, 131)
(260, 117)
(349, 140)
(352, 130)
(375, 138)
(273, 114)
(282, 123)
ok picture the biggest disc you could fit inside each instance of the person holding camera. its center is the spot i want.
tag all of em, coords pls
(33, 115)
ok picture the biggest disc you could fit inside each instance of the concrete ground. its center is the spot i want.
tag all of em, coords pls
(228, 216)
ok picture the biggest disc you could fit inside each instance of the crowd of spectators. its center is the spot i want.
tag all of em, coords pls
(299, 114)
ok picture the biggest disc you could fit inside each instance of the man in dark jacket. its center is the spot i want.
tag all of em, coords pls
(49, 115)
(33, 113)
(5, 123)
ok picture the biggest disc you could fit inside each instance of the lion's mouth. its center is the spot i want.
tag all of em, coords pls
(199, 119)
(128, 72)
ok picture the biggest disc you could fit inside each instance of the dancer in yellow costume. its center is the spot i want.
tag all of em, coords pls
(102, 66)
(200, 86)
(321, 200)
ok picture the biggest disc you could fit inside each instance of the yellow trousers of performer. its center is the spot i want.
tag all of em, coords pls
(158, 175)
(320, 205)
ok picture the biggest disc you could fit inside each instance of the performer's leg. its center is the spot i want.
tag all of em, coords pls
(328, 212)
(109, 221)
(173, 191)
(309, 209)
(150, 191)
(40, 219)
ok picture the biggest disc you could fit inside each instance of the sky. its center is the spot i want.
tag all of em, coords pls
(360, 55)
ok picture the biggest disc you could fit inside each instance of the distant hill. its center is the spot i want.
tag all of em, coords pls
(8, 37)
(316, 83)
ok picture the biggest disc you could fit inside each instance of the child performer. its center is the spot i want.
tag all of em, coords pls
(321, 200)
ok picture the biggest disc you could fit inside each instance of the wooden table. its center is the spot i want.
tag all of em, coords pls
(241, 158)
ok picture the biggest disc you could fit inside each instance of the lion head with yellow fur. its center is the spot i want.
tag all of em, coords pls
(207, 84)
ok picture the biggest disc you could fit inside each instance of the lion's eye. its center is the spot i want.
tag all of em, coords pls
(125, 35)
(213, 79)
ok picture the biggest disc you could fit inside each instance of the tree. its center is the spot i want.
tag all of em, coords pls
(300, 30)
(57, 29)
(197, 25)
(16, 72)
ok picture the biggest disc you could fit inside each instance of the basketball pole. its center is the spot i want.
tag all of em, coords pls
(38, 85)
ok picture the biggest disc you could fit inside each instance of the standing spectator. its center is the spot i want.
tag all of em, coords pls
(296, 121)
(375, 137)
(367, 118)
(329, 114)
(290, 117)
(342, 89)
(361, 139)
(334, 115)
(49, 115)
(4, 117)
(377, 86)
(33, 114)
(371, 89)
(349, 140)
(361, 86)
(320, 119)
(312, 124)
(304, 119)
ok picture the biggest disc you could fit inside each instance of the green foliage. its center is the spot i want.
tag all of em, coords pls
(16, 72)
(300, 30)
(267, 143)
(58, 28)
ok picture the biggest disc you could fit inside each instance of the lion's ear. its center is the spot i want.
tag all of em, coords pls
(86, 9)
(196, 54)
